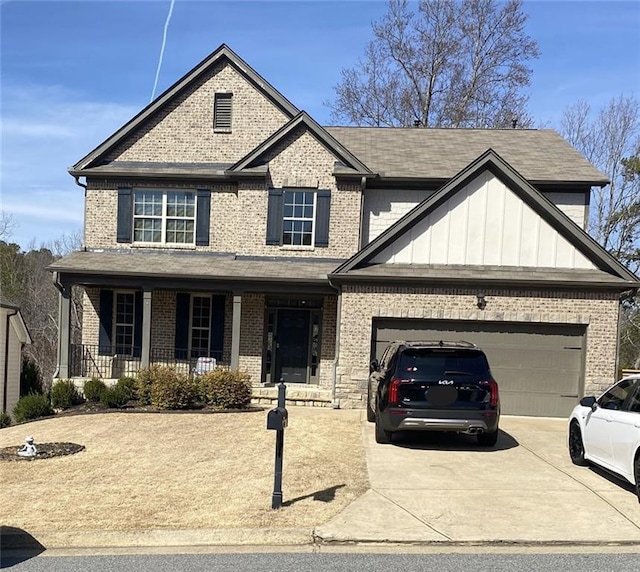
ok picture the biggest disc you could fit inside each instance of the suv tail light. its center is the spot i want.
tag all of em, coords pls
(493, 392)
(393, 391)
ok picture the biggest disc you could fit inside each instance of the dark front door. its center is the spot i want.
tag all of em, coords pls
(292, 346)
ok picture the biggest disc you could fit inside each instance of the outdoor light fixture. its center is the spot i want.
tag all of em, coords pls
(482, 302)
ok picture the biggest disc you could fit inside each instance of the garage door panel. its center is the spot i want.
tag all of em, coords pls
(534, 364)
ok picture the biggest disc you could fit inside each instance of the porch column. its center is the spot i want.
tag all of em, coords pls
(235, 330)
(64, 328)
(145, 356)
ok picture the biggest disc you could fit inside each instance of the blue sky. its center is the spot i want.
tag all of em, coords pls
(73, 72)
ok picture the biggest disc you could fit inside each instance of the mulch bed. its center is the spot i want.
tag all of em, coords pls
(134, 407)
(44, 451)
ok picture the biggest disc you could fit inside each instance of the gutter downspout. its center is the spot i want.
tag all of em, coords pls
(6, 361)
(84, 224)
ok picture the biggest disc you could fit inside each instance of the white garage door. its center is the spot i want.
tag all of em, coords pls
(539, 367)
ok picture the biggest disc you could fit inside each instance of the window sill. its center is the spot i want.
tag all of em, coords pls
(165, 246)
(294, 248)
(221, 130)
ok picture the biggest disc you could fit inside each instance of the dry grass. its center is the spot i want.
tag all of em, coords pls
(189, 470)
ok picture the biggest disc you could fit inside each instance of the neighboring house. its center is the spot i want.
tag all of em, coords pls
(13, 336)
(222, 221)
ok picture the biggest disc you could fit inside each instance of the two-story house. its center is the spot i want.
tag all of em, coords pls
(222, 221)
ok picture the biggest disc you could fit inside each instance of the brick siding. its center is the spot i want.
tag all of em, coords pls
(360, 304)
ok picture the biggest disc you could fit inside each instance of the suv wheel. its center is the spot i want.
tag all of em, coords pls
(488, 439)
(371, 414)
(382, 435)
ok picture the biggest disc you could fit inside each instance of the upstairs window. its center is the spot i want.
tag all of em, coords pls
(166, 217)
(299, 216)
(222, 112)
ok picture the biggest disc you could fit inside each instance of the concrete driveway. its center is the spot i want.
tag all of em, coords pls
(440, 489)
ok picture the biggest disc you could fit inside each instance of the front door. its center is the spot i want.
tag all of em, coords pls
(292, 346)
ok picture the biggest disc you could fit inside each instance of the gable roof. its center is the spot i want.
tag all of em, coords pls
(491, 161)
(540, 156)
(355, 166)
(223, 53)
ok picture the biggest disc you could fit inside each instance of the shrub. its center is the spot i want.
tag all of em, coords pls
(5, 420)
(32, 406)
(115, 397)
(30, 379)
(227, 389)
(64, 394)
(170, 390)
(127, 384)
(93, 389)
(143, 383)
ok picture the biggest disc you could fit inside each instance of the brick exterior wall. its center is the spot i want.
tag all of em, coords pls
(360, 304)
(182, 132)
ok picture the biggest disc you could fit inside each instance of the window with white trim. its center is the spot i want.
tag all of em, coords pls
(200, 330)
(124, 322)
(299, 217)
(165, 217)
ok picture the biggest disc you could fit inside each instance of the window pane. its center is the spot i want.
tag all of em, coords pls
(200, 325)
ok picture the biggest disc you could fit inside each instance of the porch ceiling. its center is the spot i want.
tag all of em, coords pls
(188, 270)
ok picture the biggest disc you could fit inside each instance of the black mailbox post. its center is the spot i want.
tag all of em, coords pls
(277, 420)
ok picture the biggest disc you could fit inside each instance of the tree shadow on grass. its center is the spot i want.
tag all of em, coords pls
(325, 495)
(17, 546)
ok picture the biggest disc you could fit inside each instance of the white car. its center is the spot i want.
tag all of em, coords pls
(606, 430)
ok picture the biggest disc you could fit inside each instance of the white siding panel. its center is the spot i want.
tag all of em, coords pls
(484, 223)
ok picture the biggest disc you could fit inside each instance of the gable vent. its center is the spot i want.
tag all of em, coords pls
(222, 112)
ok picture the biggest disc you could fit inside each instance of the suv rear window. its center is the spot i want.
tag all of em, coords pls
(433, 364)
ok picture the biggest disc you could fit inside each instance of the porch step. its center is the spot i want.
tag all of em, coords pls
(296, 395)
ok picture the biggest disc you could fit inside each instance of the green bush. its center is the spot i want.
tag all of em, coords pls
(64, 394)
(143, 383)
(32, 406)
(93, 389)
(227, 389)
(115, 397)
(30, 378)
(170, 390)
(128, 385)
(5, 420)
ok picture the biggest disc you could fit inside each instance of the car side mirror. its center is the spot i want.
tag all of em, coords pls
(589, 401)
(374, 366)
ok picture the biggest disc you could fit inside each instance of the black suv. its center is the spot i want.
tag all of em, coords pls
(433, 386)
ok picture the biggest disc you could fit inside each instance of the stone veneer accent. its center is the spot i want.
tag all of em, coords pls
(360, 304)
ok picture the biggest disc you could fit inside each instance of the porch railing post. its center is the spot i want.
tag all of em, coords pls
(145, 355)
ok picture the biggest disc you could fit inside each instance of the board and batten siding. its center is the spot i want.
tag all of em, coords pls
(485, 223)
(383, 207)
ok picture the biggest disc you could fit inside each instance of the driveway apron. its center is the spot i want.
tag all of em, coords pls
(444, 488)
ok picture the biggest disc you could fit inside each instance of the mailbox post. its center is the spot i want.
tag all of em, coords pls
(277, 420)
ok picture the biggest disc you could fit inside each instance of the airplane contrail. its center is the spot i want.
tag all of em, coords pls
(164, 41)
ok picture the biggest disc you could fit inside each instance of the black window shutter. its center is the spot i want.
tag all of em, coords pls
(274, 217)
(137, 325)
(216, 341)
(203, 217)
(323, 207)
(106, 322)
(125, 214)
(182, 325)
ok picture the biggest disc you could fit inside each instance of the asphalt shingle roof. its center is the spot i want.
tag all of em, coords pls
(538, 155)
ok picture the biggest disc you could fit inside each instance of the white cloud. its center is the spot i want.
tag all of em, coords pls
(45, 129)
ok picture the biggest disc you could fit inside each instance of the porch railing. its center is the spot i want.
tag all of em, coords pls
(96, 361)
